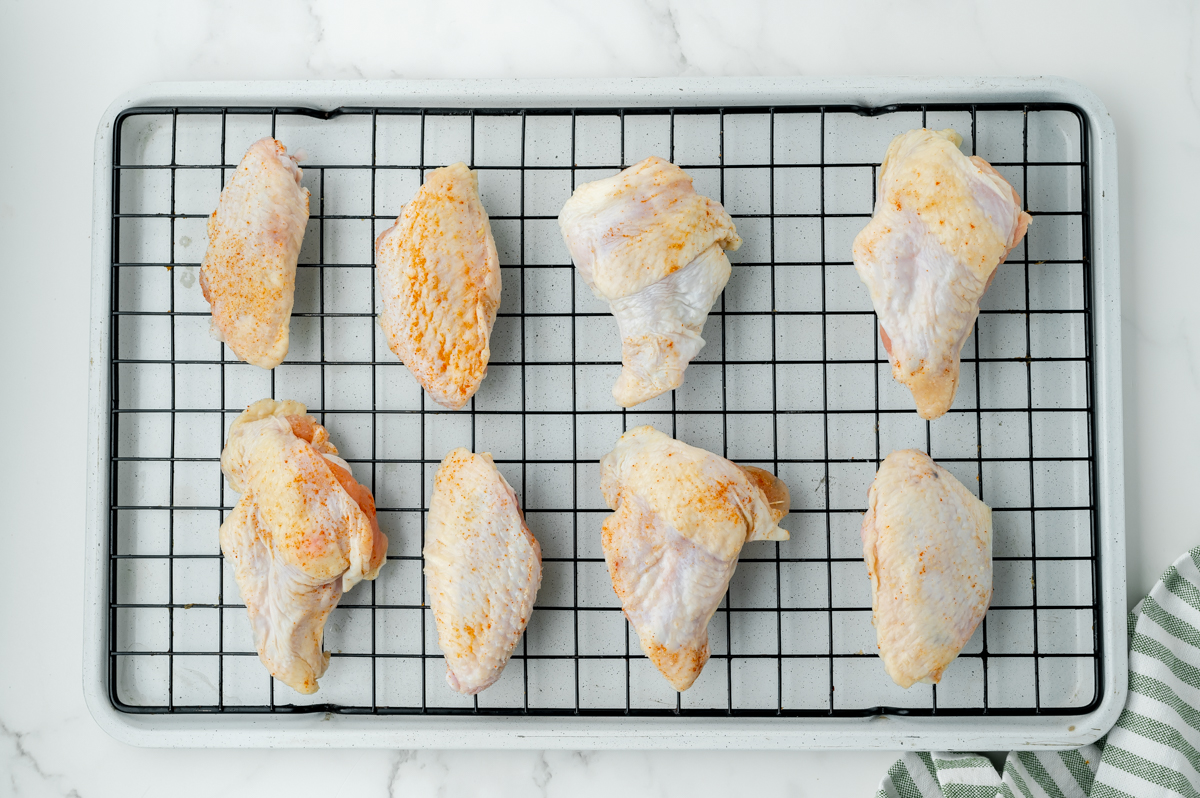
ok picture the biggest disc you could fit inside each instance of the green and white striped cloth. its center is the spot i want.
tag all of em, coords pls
(1154, 750)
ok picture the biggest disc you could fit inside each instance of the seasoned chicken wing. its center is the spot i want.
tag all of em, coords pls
(439, 282)
(302, 533)
(681, 518)
(943, 222)
(249, 271)
(927, 542)
(646, 242)
(483, 568)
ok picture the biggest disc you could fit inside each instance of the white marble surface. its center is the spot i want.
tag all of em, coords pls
(60, 66)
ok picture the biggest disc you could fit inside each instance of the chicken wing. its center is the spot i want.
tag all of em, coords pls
(439, 282)
(681, 516)
(943, 222)
(483, 568)
(647, 243)
(249, 271)
(927, 542)
(302, 533)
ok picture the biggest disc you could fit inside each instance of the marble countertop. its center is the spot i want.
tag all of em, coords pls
(62, 64)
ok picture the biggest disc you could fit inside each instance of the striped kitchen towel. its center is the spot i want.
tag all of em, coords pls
(1154, 750)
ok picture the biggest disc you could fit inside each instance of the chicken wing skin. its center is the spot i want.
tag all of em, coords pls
(483, 568)
(943, 222)
(302, 533)
(681, 518)
(927, 542)
(654, 249)
(248, 275)
(439, 281)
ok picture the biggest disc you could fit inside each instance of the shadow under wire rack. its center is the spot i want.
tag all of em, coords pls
(792, 379)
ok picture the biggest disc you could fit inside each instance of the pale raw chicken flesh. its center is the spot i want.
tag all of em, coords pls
(302, 533)
(249, 271)
(943, 222)
(646, 242)
(439, 281)
(483, 568)
(927, 542)
(681, 518)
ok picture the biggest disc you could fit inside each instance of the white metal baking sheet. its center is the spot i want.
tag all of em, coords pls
(747, 444)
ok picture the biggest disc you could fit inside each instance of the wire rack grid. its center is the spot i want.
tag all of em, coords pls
(792, 379)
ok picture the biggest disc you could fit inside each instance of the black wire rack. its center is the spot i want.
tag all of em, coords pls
(792, 379)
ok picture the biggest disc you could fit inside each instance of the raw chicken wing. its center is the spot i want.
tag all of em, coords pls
(439, 281)
(483, 568)
(249, 270)
(646, 242)
(302, 533)
(943, 222)
(681, 518)
(927, 542)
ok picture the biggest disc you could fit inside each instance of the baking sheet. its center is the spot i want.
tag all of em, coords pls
(786, 643)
